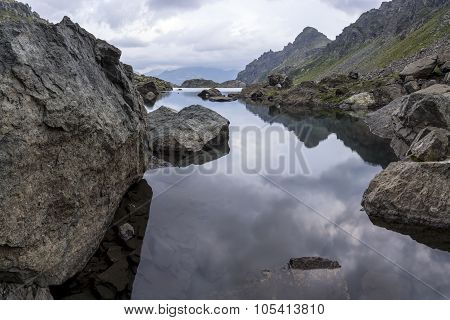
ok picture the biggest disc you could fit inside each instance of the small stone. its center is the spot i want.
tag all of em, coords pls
(133, 244)
(134, 259)
(114, 254)
(353, 75)
(126, 232)
(447, 78)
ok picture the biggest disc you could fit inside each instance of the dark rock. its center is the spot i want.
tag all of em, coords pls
(117, 275)
(106, 291)
(386, 94)
(413, 193)
(206, 94)
(73, 139)
(279, 80)
(422, 68)
(431, 144)
(115, 254)
(353, 75)
(412, 86)
(311, 263)
(221, 99)
(189, 136)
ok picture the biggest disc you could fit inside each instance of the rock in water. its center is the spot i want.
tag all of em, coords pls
(72, 140)
(209, 93)
(195, 135)
(412, 193)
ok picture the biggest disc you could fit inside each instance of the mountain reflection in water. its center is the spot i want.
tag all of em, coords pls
(211, 236)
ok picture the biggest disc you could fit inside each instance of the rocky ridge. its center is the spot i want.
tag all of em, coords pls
(303, 48)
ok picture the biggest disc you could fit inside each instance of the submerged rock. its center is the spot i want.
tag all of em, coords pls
(194, 135)
(414, 193)
(72, 140)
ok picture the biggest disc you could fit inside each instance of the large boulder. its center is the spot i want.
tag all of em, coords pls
(422, 68)
(411, 193)
(72, 140)
(195, 135)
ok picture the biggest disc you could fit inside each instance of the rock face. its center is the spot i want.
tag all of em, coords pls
(411, 193)
(72, 140)
(431, 144)
(21, 292)
(110, 273)
(191, 136)
(304, 46)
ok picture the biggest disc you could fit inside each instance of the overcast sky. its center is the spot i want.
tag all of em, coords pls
(166, 34)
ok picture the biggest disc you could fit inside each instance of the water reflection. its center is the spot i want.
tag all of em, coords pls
(212, 234)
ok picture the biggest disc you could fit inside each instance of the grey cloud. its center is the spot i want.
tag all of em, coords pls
(352, 6)
(164, 4)
(129, 42)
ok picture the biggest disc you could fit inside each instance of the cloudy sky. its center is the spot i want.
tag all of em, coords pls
(167, 34)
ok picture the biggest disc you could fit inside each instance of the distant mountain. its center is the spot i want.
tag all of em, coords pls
(380, 40)
(178, 76)
(304, 46)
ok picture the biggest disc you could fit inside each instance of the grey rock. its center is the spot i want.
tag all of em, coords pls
(72, 140)
(381, 122)
(411, 193)
(280, 81)
(422, 68)
(412, 86)
(191, 136)
(431, 144)
(206, 94)
(23, 292)
(126, 232)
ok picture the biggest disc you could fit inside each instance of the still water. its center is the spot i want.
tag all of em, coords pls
(213, 236)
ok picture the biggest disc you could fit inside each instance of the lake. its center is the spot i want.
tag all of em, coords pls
(290, 187)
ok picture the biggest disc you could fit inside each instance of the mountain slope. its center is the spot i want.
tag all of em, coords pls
(380, 39)
(305, 45)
